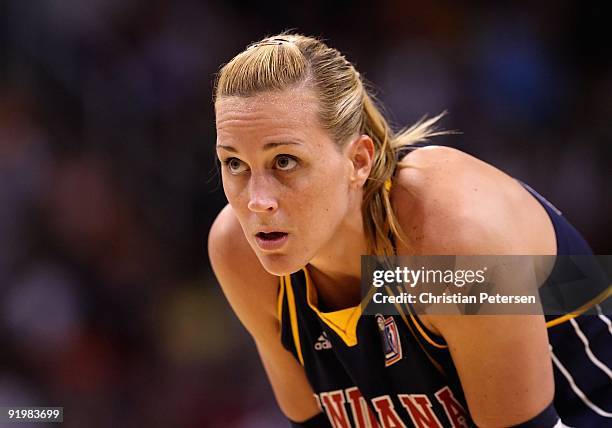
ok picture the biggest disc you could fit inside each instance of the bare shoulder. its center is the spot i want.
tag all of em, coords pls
(250, 290)
(449, 202)
(226, 241)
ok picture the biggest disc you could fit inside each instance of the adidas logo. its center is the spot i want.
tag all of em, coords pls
(322, 343)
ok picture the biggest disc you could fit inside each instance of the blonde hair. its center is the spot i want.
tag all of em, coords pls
(346, 108)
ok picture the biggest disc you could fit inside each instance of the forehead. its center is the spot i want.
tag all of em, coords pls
(278, 111)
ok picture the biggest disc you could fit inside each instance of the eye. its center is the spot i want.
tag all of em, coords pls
(285, 162)
(235, 165)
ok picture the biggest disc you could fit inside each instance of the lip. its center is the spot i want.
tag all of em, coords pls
(271, 244)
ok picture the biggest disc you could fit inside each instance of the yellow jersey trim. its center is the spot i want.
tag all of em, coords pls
(343, 322)
(425, 335)
(431, 359)
(418, 326)
(293, 319)
(582, 309)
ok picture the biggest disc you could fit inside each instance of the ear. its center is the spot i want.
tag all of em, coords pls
(361, 154)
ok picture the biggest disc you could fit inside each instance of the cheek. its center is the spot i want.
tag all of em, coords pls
(323, 201)
(228, 189)
(228, 181)
(233, 192)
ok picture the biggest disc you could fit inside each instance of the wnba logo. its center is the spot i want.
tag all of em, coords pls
(392, 346)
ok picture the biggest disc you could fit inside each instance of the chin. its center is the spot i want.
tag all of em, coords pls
(280, 264)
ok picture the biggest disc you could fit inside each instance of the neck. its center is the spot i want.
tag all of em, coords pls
(336, 270)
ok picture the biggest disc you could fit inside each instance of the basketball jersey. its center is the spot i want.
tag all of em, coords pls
(390, 371)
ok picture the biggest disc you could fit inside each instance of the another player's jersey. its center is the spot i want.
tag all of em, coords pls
(390, 371)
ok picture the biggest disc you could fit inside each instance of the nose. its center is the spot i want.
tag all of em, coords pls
(262, 194)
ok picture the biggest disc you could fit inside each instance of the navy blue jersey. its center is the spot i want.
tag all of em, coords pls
(390, 371)
(370, 371)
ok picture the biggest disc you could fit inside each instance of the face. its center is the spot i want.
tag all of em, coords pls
(288, 182)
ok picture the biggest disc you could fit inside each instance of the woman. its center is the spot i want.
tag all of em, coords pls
(315, 178)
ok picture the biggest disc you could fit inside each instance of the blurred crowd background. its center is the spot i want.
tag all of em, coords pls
(108, 183)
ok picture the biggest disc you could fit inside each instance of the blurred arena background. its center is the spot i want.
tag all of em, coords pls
(108, 183)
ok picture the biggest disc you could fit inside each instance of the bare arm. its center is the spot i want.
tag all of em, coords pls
(460, 205)
(252, 293)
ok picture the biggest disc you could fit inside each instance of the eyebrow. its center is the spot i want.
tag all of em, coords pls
(267, 146)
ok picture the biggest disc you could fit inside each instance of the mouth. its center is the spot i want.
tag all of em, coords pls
(269, 241)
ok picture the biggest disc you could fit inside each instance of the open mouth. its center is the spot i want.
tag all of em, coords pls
(272, 236)
(271, 240)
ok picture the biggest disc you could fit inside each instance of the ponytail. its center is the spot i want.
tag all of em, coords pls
(380, 222)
